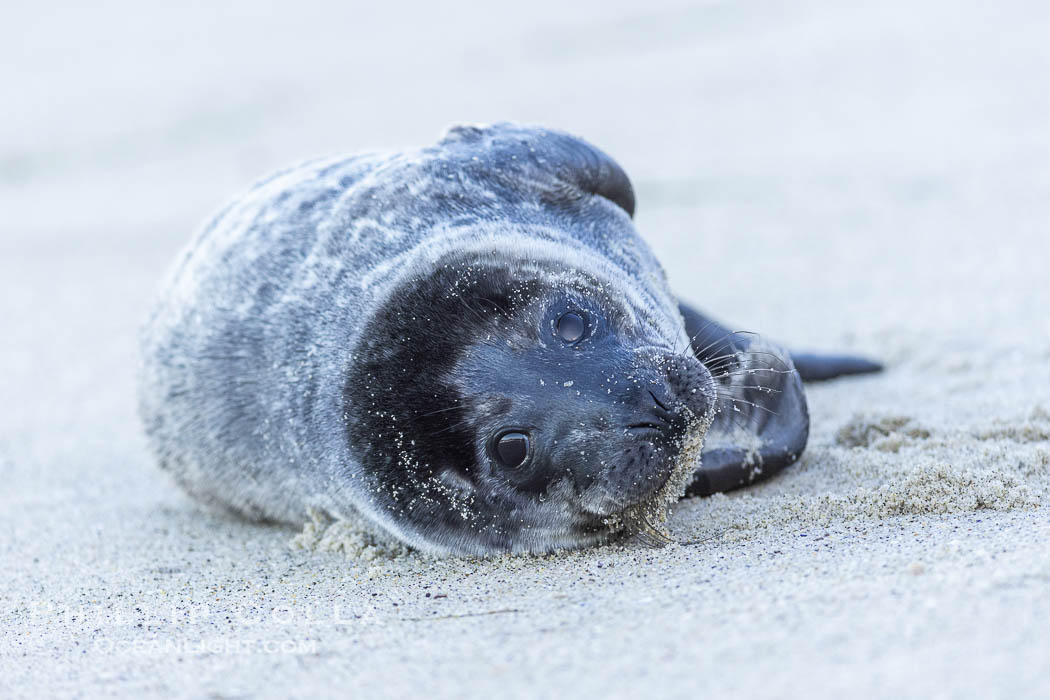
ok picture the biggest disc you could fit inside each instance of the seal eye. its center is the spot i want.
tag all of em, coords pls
(512, 449)
(571, 327)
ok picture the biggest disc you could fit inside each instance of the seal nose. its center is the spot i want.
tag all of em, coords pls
(670, 393)
(690, 383)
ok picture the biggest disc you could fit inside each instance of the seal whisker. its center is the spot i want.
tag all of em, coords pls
(756, 373)
(745, 354)
(702, 540)
(441, 410)
(749, 403)
(495, 305)
(468, 306)
(642, 530)
(759, 388)
(728, 336)
(677, 335)
(450, 428)
(702, 329)
(747, 371)
(714, 346)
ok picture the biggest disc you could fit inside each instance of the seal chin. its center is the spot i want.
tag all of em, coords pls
(644, 514)
(600, 501)
(665, 477)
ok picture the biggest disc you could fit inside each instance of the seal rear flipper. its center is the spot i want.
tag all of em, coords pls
(560, 166)
(819, 367)
(762, 422)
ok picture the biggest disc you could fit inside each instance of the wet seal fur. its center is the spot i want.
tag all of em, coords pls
(468, 347)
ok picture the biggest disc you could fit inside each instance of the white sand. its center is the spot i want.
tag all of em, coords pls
(872, 179)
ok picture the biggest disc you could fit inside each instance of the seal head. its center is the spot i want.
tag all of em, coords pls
(514, 405)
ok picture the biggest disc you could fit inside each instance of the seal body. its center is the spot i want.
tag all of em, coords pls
(467, 346)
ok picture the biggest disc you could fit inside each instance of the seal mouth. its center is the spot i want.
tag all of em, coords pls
(644, 517)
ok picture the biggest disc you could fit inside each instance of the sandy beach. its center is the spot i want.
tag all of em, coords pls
(872, 179)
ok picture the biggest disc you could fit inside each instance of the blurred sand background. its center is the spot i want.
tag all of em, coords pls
(861, 176)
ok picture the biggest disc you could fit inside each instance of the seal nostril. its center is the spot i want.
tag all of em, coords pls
(661, 410)
(661, 404)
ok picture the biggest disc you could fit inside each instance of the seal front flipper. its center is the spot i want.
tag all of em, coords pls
(762, 421)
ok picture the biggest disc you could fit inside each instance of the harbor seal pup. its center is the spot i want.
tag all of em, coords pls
(468, 347)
